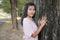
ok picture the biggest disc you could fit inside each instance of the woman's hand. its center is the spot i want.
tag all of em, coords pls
(42, 22)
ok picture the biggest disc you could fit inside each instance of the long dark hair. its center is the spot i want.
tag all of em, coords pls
(25, 11)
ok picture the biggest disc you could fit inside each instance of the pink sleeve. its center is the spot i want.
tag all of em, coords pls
(27, 28)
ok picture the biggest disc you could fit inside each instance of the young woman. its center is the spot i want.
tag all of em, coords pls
(30, 29)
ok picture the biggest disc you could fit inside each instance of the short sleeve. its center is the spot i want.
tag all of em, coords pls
(27, 28)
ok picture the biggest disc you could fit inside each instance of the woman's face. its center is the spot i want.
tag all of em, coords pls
(31, 11)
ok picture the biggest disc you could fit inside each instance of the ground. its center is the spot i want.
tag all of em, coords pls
(8, 33)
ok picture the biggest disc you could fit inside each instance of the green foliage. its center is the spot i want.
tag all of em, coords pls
(7, 6)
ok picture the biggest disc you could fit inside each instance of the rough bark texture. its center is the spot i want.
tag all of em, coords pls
(50, 9)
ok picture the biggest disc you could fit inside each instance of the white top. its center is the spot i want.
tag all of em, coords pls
(29, 27)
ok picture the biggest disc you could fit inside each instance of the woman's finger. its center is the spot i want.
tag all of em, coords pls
(44, 18)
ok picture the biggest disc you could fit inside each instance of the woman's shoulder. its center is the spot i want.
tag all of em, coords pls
(25, 19)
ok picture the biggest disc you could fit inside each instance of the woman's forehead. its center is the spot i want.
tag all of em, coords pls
(31, 7)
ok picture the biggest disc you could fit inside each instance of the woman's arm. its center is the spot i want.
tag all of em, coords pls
(42, 23)
(37, 32)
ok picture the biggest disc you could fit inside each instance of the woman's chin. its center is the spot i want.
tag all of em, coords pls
(31, 16)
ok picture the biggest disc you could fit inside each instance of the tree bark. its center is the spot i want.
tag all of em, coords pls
(50, 9)
(13, 13)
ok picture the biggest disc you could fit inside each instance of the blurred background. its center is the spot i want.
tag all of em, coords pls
(11, 30)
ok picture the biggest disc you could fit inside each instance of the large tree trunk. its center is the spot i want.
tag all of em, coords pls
(13, 13)
(50, 9)
(58, 28)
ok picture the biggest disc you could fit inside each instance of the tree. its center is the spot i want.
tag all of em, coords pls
(50, 9)
(13, 13)
(14, 6)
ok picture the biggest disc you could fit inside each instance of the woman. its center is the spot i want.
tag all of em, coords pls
(30, 29)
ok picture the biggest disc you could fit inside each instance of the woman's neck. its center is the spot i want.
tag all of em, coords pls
(29, 17)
